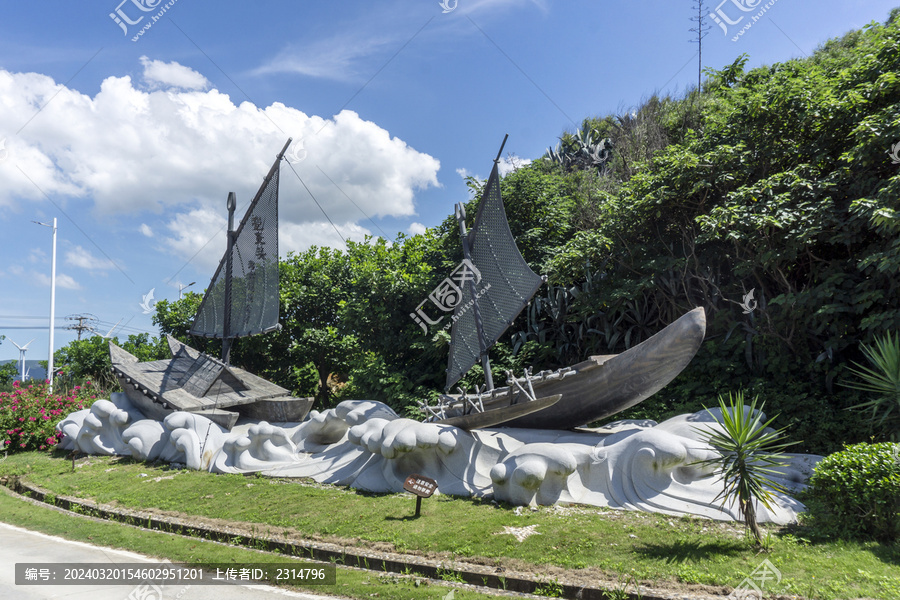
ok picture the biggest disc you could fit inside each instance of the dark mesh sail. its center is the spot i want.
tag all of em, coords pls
(254, 273)
(507, 284)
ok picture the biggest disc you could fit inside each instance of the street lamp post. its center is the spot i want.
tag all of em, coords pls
(52, 300)
(184, 287)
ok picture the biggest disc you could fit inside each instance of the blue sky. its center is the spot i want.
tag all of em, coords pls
(133, 141)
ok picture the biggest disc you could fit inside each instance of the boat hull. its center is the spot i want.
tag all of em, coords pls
(496, 416)
(605, 385)
(277, 410)
(200, 384)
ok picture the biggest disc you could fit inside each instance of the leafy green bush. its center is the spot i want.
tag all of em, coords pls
(856, 492)
(29, 414)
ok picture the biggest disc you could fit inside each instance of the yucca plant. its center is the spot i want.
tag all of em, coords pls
(582, 150)
(749, 453)
(883, 380)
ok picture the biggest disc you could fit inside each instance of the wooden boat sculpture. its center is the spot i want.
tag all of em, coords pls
(593, 389)
(567, 398)
(241, 300)
(198, 383)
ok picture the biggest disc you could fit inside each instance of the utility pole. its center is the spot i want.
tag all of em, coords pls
(86, 322)
(701, 29)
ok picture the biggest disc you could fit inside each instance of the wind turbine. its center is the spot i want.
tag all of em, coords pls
(109, 333)
(22, 350)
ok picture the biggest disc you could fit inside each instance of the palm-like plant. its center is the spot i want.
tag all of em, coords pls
(749, 452)
(882, 380)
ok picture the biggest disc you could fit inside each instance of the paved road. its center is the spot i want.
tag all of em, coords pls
(19, 545)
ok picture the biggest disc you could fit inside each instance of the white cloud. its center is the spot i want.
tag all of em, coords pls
(357, 48)
(62, 281)
(510, 163)
(159, 74)
(416, 229)
(335, 57)
(321, 233)
(83, 259)
(145, 229)
(507, 165)
(198, 234)
(126, 151)
(37, 255)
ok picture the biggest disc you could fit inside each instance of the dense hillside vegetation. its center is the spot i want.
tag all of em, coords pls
(776, 180)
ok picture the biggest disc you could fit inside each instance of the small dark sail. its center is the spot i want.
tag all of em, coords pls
(506, 286)
(253, 306)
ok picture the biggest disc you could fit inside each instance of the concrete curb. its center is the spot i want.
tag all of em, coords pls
(475, 575)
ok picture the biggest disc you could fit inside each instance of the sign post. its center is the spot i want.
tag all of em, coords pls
(421, 486)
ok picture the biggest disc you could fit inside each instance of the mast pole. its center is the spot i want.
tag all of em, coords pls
(500, 153)
(231, 203)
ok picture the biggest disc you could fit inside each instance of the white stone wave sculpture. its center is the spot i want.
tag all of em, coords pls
(635, 465)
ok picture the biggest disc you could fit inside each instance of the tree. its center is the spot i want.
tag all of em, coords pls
(176, 317)
(88, 358)
(8, 373)
(749, 453)
(313, 286)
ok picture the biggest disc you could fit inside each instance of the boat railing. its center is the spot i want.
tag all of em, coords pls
(466, 403)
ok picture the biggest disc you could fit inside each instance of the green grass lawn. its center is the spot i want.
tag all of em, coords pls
(571, 541)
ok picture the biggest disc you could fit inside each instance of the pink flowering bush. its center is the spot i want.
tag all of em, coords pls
(28, 415)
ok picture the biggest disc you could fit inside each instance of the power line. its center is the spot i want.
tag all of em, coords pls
(2, 327)
(317, 203)
(354, 203)
(44, 317)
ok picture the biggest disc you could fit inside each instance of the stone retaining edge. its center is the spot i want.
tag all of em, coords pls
(325, 552)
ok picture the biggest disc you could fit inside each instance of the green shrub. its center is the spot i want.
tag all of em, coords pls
(856, 492)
